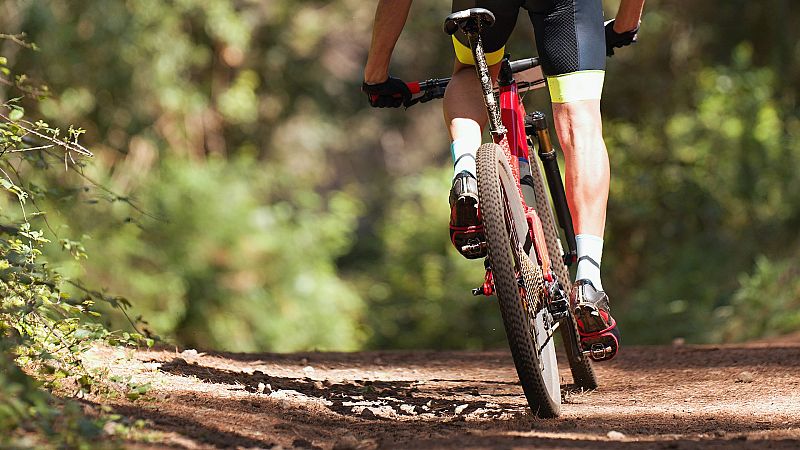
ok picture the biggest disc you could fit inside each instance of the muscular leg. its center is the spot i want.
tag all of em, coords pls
(587, 180)
(587, 174)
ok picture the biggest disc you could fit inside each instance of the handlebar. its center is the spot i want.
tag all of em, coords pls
(435, 87)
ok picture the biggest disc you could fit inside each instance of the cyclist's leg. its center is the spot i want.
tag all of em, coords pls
(464, 110)
(587, 176)
(465, 115)
(571, 42)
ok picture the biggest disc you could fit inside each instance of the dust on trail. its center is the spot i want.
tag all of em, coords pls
(650, 397)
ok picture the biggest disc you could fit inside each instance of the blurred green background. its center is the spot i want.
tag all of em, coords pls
(256, 202)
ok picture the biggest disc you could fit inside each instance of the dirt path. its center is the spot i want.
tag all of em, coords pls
(658, 397)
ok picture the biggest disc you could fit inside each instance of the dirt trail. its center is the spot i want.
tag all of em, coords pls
(656, 397)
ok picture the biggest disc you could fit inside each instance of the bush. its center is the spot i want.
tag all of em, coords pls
(229, 254)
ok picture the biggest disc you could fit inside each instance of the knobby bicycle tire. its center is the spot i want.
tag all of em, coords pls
(523, 317)
(580, 365)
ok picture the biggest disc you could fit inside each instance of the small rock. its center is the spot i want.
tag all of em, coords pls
(460, 408)
(264, 387)
(190, 353)
(378, 361)
(304, 361)
(615, 435)
(408, 409)
(318, 385)
(308, 370)
(368, 414)
(719, 433)
(678, 342)
(745, 377)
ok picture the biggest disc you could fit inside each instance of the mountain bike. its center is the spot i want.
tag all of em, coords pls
(526, 266)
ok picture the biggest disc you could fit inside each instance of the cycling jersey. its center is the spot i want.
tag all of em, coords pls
(569, 36)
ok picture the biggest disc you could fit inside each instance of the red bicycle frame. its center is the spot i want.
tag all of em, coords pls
(515, 143)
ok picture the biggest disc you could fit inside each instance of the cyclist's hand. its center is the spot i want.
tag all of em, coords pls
(617, 40)
(392, 93)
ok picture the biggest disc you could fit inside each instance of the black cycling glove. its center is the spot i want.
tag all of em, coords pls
(617, 40)
(392, 93)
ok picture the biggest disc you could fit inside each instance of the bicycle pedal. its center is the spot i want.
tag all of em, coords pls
(474, 249)
(598, 351)
(469, 241)
(600, 348)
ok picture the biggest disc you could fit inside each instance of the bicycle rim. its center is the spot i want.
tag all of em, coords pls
(580, 365)
(527, 321)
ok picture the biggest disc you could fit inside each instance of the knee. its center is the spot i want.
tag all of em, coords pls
(579, 122)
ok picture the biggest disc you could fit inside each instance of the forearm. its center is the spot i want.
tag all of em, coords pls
(390, 18)
(628, 15)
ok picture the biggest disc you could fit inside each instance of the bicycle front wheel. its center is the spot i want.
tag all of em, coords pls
(528, 323)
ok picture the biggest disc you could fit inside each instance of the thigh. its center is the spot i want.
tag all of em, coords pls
(571, 42)
(569, 34)
(494, 38)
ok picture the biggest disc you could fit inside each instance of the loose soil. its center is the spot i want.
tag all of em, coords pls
(650, 397)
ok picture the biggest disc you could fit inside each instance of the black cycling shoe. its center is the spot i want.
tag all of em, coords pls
(598, 331)
(466, 225)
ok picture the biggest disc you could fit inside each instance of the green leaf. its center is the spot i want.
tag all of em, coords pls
(16, 113)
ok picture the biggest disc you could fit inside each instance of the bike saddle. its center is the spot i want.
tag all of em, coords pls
(470, 20)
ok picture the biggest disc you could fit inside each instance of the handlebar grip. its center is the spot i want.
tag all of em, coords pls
(414, 87)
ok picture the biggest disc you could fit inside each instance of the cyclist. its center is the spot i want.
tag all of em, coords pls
(573, 42)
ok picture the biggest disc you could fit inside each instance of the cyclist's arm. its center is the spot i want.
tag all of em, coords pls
(629, 15)
(390, 18)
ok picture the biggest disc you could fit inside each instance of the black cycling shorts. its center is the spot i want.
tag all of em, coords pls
(569, 36)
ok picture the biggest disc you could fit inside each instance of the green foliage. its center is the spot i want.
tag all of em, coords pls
(419, 288)
(767, 304)
(42, 328)
(695, 195)
(233, 255)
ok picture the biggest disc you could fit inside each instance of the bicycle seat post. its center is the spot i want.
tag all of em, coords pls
(471, 22)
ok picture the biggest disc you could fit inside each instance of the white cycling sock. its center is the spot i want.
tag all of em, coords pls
(463, 151)
(590, 252)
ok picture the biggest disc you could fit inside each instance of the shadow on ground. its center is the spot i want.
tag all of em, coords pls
(452, 407)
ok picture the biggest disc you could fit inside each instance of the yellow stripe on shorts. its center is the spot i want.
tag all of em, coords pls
(464, 54)
(576, 86)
